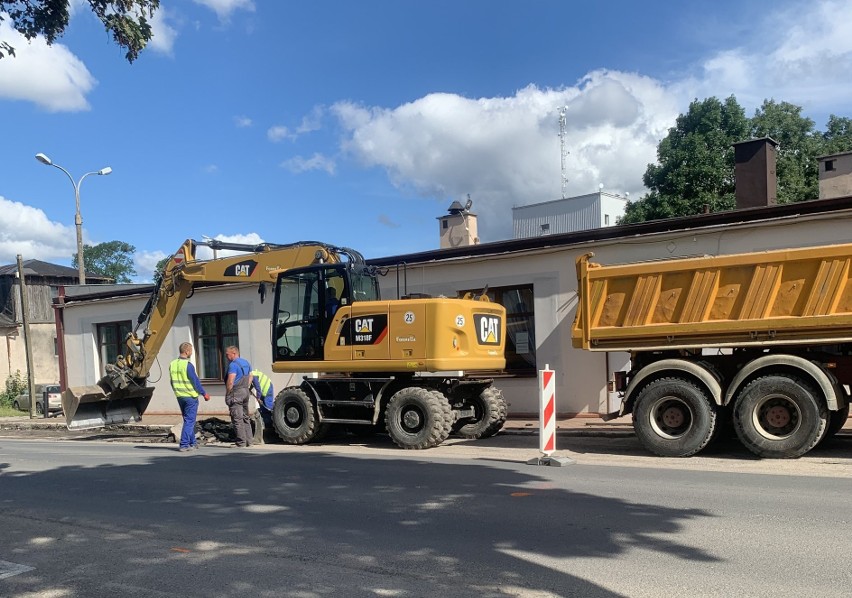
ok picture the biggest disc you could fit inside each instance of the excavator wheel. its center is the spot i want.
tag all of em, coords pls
(295, 418)
(491, 410)
(418, 418)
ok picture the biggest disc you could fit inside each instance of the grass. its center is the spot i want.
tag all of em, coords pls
(6, 411)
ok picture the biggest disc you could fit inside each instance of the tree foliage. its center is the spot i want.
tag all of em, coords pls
(15, 385)
(695, 161)
(112, 258)
(127, 21)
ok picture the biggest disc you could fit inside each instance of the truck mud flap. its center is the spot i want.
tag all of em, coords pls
(88, 407)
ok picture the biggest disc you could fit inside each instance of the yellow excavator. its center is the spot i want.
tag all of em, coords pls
(407, 365)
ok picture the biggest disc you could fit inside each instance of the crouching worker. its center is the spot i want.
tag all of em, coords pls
(187, 389)
(262, 387)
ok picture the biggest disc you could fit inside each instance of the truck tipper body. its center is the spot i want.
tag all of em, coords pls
(762, 340)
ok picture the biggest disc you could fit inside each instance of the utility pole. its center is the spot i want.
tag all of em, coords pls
(25, 318)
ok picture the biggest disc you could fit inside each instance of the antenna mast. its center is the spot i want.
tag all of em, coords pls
(563, 150)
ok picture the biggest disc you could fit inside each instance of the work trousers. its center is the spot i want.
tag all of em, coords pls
(238, 406)
(189, 411)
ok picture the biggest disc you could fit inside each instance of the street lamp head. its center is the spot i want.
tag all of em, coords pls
(106, 170)
(44, 159)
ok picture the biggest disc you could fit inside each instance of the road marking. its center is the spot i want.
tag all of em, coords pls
(176, 549)
(521, 494)
(8, 569)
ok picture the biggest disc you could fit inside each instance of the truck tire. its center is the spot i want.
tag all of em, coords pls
(295, 418)
(490, 409)
(779, 417)
(417, 418)
(836, 421)
(673, 417)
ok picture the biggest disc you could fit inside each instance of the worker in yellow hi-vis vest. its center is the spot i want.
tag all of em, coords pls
(265, 394)
(187, 389)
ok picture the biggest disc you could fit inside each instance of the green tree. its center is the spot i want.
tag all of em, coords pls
(798, 147)
(112, 258)
(15, 385)
(160, 267)
(837, 137)
(126, 20)
(695, 163)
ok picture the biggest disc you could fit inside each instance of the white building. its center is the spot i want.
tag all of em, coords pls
(534, 278)
(568, 215)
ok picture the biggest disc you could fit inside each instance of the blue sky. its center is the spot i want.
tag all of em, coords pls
(358, 123)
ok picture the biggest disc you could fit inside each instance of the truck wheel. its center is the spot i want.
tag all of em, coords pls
(490, 414)
(418, 418)
(779, 417)
(672, 417)
(295, 418)
(836, 421)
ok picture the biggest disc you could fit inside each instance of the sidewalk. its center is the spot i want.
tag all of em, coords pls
(573, 426)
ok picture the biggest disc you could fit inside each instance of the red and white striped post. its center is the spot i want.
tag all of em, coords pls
(547, 421)
(547, 411)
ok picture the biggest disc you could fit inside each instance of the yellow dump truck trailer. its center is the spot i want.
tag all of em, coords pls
(763, 339)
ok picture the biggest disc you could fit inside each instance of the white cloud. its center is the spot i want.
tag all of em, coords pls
(242, 121)
(164, 35)
(27, 231)
(506, 152)
(300, 164)
(203, 252)
(50, 76)
(224, 8)
(311, 121)
(800, 55)
(279, 133)
(145, 262)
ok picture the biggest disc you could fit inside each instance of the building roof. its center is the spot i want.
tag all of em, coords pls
(744, 215)
(47, 270)
(831, 156)
(740, 216)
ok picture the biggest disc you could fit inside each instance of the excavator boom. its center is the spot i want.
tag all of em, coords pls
(122, 395)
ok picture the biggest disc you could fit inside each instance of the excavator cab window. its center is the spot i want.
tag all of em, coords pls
(306, 302)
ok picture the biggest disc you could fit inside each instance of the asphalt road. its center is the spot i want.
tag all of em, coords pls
(92, 518)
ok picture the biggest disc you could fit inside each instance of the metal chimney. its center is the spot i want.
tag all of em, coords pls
(754, 172)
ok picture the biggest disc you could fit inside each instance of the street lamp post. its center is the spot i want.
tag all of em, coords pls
(78, 219)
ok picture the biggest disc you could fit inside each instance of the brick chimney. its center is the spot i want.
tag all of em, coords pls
(458, 227)
(754, 173)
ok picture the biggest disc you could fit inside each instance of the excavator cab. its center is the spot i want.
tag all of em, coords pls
(306, 303)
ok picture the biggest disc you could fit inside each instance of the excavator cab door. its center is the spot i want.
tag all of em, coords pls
(306, 303)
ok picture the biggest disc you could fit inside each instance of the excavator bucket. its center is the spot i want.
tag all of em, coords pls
(88, 407)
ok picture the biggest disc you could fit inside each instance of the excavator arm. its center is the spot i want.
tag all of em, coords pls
(121, 395)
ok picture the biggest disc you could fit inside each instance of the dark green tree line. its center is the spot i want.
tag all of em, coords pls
(695, 160)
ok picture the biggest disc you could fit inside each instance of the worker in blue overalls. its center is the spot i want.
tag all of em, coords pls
(187, 389)
(262, 387)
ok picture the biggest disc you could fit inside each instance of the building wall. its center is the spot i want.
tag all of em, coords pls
(571, 214)
(13, 354)
(837, 182)
(81, 348)
(612, 208)
(581, 376)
